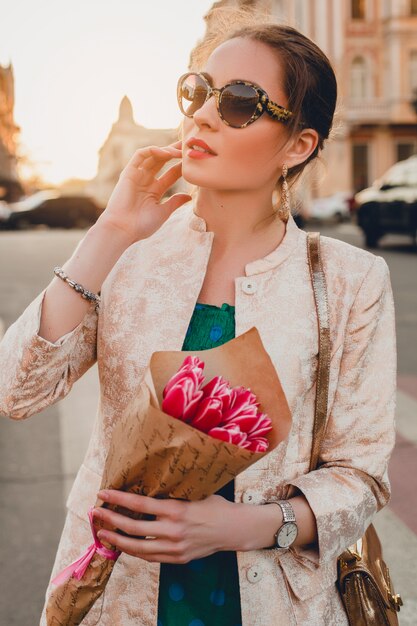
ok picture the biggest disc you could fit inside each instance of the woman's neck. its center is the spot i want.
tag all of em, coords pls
(239, 218)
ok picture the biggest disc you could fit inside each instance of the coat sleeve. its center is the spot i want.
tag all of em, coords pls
(35, 373)
(352, 484)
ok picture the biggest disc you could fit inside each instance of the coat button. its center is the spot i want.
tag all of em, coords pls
(252, 497)
(248, 497)
(249, 286)
(254, 574)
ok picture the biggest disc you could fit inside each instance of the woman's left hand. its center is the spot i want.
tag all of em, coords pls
(181, 532)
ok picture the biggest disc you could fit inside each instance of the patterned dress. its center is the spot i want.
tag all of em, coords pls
(203, 592)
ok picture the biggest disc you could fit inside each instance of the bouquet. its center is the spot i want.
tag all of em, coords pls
(180, 439)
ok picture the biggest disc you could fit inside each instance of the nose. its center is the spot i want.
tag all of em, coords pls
(207, 114)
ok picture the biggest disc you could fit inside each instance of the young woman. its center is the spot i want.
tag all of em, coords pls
(191, 273)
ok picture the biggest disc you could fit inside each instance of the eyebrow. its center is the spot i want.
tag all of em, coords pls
(232, 79)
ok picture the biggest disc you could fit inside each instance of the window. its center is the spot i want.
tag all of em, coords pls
(357, 9)
(406, 149)
(360, 166)
(358, 79)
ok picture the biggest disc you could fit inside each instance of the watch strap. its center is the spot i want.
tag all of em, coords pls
(288, 515)
(287, 510)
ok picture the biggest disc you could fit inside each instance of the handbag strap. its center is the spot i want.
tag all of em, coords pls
(322, 307)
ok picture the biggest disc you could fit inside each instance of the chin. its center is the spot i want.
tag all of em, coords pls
(199, 181)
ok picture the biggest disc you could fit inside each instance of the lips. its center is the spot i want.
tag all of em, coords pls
(193, 141)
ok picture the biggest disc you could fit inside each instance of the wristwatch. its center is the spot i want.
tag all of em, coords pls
(288, 531)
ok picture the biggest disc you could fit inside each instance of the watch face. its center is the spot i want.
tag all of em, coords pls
(287, 535)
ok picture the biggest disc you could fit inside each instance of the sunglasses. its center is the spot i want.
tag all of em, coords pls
(239, 103)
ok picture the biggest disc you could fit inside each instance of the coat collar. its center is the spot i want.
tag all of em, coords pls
(291, 239)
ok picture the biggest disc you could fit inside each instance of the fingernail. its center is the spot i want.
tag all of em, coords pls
(103, 495)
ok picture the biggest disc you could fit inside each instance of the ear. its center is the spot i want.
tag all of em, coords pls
(301, 147)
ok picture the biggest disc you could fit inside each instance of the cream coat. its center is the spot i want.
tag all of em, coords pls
(147, 302)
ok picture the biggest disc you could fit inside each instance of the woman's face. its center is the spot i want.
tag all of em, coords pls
(246, 158)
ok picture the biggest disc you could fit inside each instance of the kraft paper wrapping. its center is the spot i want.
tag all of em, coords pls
(154, 454)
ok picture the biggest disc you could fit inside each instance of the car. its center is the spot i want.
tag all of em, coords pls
(4, 212)
(333, 208)
(50, 208)
(390, 204)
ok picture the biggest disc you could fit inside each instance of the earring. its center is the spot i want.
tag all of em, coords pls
(284, 208)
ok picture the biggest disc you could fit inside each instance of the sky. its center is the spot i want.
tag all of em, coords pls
(74, 61)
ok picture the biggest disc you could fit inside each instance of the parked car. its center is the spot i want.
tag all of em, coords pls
(4, 212)
(50, 208)
(333, 208)
(390, 204)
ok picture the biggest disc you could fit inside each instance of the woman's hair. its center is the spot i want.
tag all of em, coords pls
(309, 80)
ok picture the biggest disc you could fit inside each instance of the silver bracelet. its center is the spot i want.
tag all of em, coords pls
(85, 293)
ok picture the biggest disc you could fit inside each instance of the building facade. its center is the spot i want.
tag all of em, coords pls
(10, 187)
(372, 45)
(125, 137)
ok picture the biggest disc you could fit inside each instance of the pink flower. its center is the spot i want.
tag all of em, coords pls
(230, 414)
(182, 393)
(230, 434)
(208, 414)
(219, 387)
(256, 445)
(216, 396)
(242, 401)
(192, 365)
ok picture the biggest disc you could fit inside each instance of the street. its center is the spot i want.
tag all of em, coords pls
(39, 457)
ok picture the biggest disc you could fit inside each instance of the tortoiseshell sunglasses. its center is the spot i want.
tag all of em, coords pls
(239, 103)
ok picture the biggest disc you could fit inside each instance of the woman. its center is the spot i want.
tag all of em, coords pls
(168, 275)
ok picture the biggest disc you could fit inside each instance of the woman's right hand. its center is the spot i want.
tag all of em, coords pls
(134, 205)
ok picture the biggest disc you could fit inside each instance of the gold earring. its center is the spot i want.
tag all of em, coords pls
(284, 208)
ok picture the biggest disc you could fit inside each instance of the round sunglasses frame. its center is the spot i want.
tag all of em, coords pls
(264, 105)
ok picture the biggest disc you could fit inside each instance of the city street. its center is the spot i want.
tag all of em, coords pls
(39, 457)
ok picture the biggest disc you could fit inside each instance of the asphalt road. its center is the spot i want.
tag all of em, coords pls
(39, 457)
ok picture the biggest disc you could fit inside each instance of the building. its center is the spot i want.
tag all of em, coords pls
(10, 187)
(124, 138)
(372, 45)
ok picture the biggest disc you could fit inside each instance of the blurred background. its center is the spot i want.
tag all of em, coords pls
(82, 86)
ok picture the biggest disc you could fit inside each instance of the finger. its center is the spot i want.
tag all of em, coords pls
(156, 152)
(135, 502)
(139, 547)
(168, 178)
(175, 202)
(152, 165)
(131, 526)
(149, 168)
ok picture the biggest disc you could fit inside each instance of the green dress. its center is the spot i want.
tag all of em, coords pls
(203, 592)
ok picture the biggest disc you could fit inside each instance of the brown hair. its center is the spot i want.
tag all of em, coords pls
(309, 79)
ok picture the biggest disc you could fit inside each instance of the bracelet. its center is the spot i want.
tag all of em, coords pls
(85, 293)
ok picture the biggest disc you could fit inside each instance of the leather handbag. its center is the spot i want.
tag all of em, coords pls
(363, 578)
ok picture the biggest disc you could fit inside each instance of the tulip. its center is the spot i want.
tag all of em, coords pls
(257, 445)
(229, 434)
(208, 414)
(227, 413)
(193, 367)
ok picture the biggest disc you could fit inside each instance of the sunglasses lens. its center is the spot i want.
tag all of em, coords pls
(192, 93)
(238, 104)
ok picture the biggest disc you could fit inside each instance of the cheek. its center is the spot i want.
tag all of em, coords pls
(253, 153)
(247, 157)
